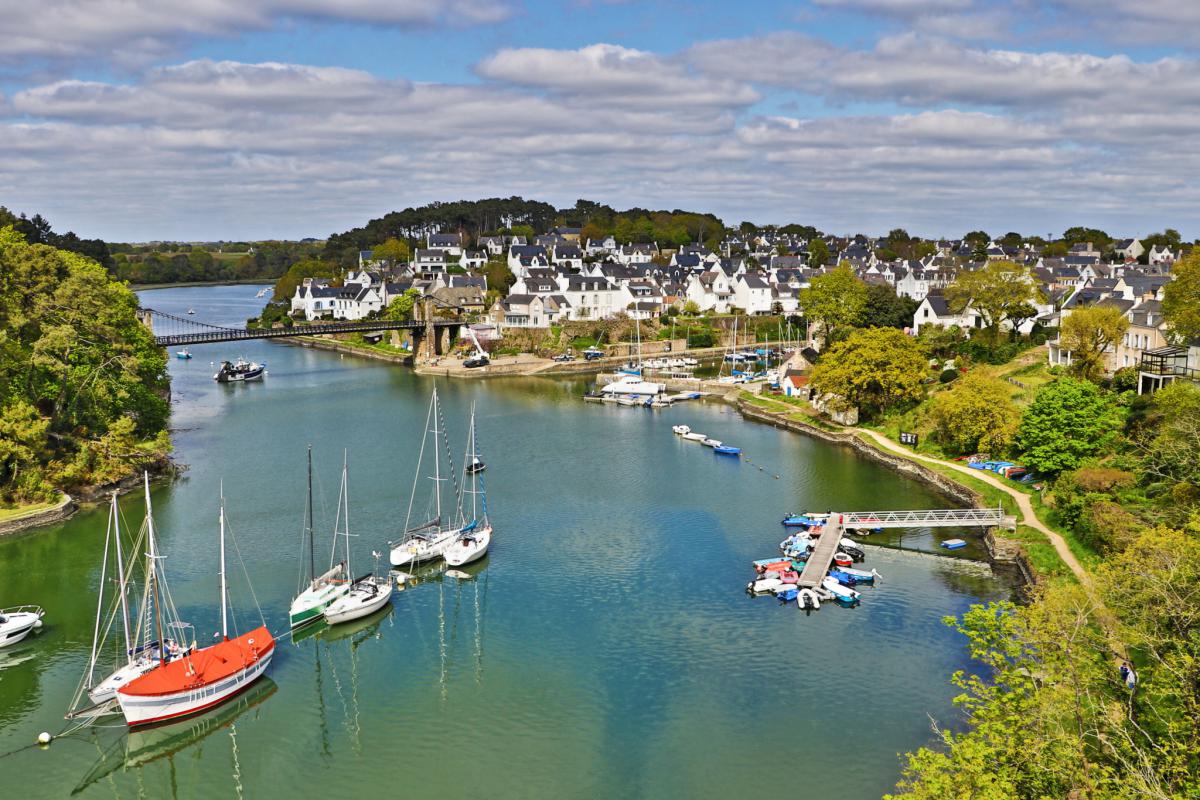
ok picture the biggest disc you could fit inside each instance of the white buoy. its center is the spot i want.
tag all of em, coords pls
(44, 737)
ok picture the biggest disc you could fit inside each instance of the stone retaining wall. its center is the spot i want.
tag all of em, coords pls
(45, 516)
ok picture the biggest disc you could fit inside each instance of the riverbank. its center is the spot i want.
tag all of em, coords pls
(15, 520)
(139, 287)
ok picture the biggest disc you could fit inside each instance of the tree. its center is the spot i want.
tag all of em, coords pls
(976, 415)
(401, 308)
(1068, 421)
(886, 309)
(393, 251)
(691, 308)
(1088, 333)
(1181, 299)
(998, 291)
(836, 301)
(873, 369)
(977, 238)
(818, 253)
(1168, 444)
(1079, 235)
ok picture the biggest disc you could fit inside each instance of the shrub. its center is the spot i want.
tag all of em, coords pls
(948, 375)
(976, 414)
(1107, 527)
(1103, 479)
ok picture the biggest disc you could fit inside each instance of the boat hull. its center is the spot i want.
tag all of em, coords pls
(351, 607)
(142, 707)
(461, 552)
(310, 605)
(415, 551)
(17, 626)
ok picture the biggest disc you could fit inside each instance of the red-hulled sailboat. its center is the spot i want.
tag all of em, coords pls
(202, 678)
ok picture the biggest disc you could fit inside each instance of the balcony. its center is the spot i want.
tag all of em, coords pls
(1164, 365)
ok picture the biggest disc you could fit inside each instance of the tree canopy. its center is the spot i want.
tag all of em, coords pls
(999, 291)
(873, 369)
(83, 395)
(1068, 421)
(1181, 299)
(977, 414)
(835, 301)
(886, 309)
(1088, 333)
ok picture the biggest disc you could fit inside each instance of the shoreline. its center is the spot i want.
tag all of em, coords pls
(141, 287)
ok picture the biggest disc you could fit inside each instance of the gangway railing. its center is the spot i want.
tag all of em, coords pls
(935, 518)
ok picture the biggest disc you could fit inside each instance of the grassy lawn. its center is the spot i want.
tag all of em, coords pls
(8, 512)
(1041, 554)
(791, 408)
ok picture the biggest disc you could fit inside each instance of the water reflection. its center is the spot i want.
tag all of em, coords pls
(138, 749)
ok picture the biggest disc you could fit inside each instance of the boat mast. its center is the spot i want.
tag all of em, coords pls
(152, 577)
(312, 563)
(437, 459)
(116, 528)
(224, 585)
(344, 500)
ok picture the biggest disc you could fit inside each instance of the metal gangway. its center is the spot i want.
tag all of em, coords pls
(821, 557)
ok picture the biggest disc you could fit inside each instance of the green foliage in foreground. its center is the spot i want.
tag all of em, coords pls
(874, 369)
(1048, 716)
(82, 384)
(1068, 421)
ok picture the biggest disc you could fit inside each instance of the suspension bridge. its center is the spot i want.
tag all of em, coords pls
(170, 330)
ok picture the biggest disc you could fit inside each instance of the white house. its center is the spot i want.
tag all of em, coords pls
(450, 243)
(314, 298)
(752, 294)
(356, 301)
(934, 310)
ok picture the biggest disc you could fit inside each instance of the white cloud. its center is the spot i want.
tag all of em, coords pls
(907, 8)
(134, 30)
(618, 75)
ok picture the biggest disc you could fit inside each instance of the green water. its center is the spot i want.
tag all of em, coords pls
(604, 649)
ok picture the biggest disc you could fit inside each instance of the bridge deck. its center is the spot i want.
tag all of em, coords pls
(936, 518)
(821, 557)
(202, 333)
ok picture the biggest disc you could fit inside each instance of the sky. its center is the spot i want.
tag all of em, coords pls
(136, 120)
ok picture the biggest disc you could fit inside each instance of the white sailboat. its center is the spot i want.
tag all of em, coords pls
(473, 541)
(141, 651)
(629, 380)
(427, 541)
(369, 593)
(322, 589)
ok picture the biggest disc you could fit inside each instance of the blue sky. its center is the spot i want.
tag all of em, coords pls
(166, 119)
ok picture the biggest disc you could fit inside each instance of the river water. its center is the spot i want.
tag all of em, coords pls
(605, 648)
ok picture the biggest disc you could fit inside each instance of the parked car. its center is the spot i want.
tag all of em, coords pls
(477, 361)
(564, 357)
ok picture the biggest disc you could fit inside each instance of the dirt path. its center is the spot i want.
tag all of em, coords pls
(1028, 517)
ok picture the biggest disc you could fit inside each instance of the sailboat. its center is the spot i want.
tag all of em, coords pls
(322, 589)
(428, 540)
(472, 543)
(201, 678)
(141, 652)
(629, 380)
(369, 593)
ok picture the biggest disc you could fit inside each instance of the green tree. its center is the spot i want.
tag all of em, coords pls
(1088, 333)
(886, 309)
(977, 239)
(691, 308)
(1167, 445)
(401, 309)
(1181, 299)
(1069, 420)
(998, 290)
(873, 369)
(818, 253)
(976, 415)
(393, 251)
(835, 301)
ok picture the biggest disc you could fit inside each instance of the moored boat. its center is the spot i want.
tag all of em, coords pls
(323, 589)
(861, 575)
(694, 436)
(476, 536)
(680, 430)
(17, 622)
(726, 450)
(201, 678)
(239, 371)
(183, 354)
(710, 442)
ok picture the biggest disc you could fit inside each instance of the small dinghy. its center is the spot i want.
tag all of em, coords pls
(850, 547)
(726, 450)
(787, 592)
(791, 576)
(808, 598)
(954, 544)
(710, 442)
(763, 585)
(693, 436)
(458, 574)
(772, 565)
(475, 467)
(681, 430)
(18, 622)
(861, 575)
(844, 578)
(191, 311)
(842, 559)
(838, 591)
(183, 354)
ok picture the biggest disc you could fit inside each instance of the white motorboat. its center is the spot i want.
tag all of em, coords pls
(18, 622)
(694, 436)
(427, 541)
(708, 441)
(469, 546)
(680, 430)
(632, 385)
(319, 590)
(808, 598)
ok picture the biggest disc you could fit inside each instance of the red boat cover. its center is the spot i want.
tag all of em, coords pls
(204, 666)
(783, 565)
